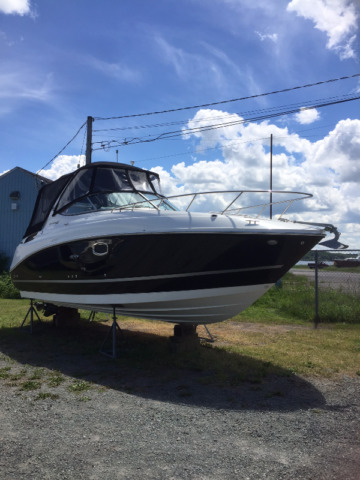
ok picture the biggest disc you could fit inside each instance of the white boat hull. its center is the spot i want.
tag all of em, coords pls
(194, 306)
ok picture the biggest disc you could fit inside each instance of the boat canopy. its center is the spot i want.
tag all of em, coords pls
(99, 177)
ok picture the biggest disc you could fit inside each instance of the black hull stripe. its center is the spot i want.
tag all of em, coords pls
(154, 277)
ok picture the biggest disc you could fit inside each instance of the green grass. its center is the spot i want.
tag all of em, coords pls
(295, 302)
(273, 337)
(79, 386)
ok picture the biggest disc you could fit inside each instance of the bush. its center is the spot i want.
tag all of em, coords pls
(7, 288)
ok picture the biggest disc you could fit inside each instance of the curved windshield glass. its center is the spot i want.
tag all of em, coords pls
(117, 200)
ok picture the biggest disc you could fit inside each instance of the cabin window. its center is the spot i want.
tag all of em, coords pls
(140, 181)
(78, 187)
(111, 180)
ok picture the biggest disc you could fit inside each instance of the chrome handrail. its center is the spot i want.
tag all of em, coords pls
(226, 210)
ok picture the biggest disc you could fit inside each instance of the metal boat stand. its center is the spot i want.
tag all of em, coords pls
(31, 312)
(92, 317)
(113, 333)
(211, 338)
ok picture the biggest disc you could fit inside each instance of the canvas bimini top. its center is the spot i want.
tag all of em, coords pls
(68, 193)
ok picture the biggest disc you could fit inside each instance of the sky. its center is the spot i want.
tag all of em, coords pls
(61, 62)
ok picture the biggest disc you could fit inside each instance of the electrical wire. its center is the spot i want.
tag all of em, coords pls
(222, 102)
(191, 131)
(219, 117)
(61, 151)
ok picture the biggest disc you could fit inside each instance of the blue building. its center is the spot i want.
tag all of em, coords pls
(18, 192)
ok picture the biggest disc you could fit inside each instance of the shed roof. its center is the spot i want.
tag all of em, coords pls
(35, 175)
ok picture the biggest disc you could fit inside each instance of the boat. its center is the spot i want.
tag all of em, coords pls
(347, 262)
(104, 237)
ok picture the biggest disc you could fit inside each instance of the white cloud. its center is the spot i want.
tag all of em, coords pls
(62, 165)
(267, 36)
(328, 168)
(15, 7)
(189, 65)
(115, 70)
(306, 116)
(18, 84)
(337, 18)
(22, 83)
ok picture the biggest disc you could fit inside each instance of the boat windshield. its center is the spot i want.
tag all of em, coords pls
(118, 200)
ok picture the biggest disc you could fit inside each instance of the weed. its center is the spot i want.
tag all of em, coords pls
(18, 376)
(30, 385)
(4, 372)
(79, 386)
(84, 398)
(37, 374)
(55, 379)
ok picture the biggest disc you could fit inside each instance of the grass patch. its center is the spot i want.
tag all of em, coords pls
(79, 386)
(55, 379)
(5, 372)
(294, 302)
(29, 385)
(264, 340)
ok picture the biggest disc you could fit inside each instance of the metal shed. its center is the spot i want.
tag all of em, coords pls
(18, 192)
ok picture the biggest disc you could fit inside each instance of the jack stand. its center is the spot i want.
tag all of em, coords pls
(92, 317)
(113, 331)
(185, 337)
(211, 338)
(31, 311)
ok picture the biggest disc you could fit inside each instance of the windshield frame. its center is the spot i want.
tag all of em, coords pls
(101, 202)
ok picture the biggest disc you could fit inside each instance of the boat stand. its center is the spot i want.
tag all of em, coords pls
(31, 312)
(113, 333)
(92, 317)
(211, 338)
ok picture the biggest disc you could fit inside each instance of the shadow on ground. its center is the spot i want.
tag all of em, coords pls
(147, 367)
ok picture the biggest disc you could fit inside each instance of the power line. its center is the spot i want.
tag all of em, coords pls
(167, 135)
(222, 102)
(61, 151)
(309, 103)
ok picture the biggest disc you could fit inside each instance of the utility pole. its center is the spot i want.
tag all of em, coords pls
(271, 149)
(89, 123)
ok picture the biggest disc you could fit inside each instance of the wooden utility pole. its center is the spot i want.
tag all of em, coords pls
(89, 139)
(271, 149)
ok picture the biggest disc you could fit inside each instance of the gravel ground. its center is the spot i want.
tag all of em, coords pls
(105, 421)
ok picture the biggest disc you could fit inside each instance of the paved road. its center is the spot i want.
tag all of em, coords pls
(338, 280)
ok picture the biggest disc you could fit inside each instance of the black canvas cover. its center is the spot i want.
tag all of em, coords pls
(93, 178)
(45, 201)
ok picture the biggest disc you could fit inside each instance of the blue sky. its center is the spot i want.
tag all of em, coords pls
(63, 61)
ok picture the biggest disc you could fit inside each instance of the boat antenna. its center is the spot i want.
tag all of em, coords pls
(117, 156)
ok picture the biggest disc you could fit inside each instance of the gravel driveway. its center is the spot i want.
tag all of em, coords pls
(106, 421)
